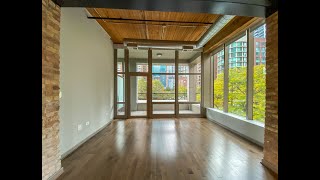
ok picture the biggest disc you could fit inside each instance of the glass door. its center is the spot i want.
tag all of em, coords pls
(157, 83)
(139, 97)
(163, 83)
(189, 83)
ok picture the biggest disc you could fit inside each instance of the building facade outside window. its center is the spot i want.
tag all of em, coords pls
(237, 84)
(259, 74)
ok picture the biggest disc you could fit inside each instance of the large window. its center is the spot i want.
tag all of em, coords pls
(163, 88)
(138, 60)
(189, 89)
(239, 88)
(157, 83)
(163, 82)
(218, 79)
(259, 75)
(189, 83)
(238, 79)
(120, 103)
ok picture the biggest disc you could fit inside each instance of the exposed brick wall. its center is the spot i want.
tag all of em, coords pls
(271, 122)
(50, 88)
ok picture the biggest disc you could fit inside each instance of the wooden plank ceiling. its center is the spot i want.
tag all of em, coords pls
(153, 25)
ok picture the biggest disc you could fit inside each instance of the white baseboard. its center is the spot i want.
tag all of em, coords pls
(64, 155)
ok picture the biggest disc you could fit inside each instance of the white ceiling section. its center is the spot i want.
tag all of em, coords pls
(166, 54)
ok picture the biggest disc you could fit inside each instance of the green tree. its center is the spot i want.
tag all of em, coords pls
(182, 92)
(218, 91)
(158, 90)
(142, 88)
(237, 91)
(198, 95)
(259, 93)
(157, 87)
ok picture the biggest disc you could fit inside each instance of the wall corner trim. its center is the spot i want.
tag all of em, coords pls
(269, 166)
(56, 174)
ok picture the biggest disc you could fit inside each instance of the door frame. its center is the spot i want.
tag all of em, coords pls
(135, 74)
(148, 74)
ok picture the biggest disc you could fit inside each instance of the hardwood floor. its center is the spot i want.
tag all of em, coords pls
(184, 148)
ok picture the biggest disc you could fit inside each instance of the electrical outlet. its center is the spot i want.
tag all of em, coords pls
(79, 127)
(87, 123)
(60, 94)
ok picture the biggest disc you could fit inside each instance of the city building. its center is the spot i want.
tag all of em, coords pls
(238, 52)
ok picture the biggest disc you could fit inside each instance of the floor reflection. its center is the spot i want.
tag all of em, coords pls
(163, 139)
(183, 148)
(120, 136)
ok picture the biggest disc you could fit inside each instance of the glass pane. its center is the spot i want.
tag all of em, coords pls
(189, 62)
(259, 74)
(189, 108)
(163, 108)
(163, 61)
(238, 79)
(138, 60)
(120, 88)
(218, 79)
(138, 93)
(189, 89)
(183, 68)
(163, 88)
(120, 60)
(120, 109)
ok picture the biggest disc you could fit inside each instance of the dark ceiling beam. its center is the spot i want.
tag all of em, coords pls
(273, 8)
(147, 20)
(253, 8)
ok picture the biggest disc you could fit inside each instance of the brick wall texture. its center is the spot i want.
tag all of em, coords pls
(271, 122)
(50, 88)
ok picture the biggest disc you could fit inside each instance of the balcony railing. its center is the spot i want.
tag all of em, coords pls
(165, 96)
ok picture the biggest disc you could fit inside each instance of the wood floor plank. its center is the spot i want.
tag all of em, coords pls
(165, 149)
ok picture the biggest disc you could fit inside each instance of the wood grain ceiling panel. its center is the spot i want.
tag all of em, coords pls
(134, 31)
(154, 32)
(183, 33)
(235, 26)
(197, 33)
(181, 26)
(121, 13)
(115, 37)
(181, 16)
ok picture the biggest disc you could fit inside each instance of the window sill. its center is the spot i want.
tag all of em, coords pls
(258, 123)
(249, 129)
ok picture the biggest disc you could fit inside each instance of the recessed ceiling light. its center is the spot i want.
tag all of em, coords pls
(159, 54)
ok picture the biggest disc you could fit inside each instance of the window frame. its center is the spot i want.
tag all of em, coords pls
(250, 52)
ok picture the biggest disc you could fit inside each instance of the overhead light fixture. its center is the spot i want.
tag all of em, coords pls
(159, 54)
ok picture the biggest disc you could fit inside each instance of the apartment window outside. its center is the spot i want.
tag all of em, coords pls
(238, 82)
(218, 79)
(238, 89)
(259, 76)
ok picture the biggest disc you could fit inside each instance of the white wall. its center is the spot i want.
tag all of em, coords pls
(86, 77)
(249, 129)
